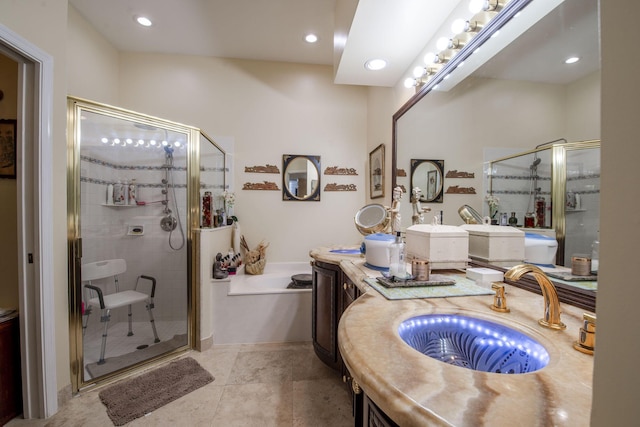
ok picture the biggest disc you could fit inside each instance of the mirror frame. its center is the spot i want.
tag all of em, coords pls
(566, 294)
(438, 196)
(314, 196)
(509, 11)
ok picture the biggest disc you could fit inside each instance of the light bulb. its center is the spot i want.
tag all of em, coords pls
(116, 141)
(409, 82)
(430, 58)
(375, 64)
(311, 38)
(104, 140)
(476, 6)
(144, 21)
(129, 141)
(418, 72)
(442, 43)
(459, 26)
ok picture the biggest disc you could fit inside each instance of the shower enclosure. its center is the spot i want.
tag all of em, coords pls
(560, 185)
(133, 206)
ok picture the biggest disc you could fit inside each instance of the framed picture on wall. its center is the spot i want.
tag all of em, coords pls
(432, 177)
(8, 148)
(376, 172)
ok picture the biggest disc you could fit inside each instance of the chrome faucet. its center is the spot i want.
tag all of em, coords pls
(551, 317)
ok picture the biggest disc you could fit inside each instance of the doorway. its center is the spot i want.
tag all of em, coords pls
(34, 225)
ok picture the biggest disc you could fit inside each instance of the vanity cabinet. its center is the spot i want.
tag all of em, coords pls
(372, 416)
(326, 280)
(10, 379)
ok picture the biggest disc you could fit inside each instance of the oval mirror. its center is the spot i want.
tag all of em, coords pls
(300, 177)
(427, 176)
(372, 219)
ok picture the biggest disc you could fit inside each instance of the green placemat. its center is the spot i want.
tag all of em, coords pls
(463, 287)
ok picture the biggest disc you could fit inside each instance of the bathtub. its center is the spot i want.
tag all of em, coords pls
(251, 309)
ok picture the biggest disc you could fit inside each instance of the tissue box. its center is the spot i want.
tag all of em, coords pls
(445, 246)
(485, 276)
(493, 243)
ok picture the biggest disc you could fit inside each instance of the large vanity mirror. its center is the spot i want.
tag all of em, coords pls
(300, 177)
(522, 96)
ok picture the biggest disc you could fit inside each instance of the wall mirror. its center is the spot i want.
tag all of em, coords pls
(427, 176)
(300, 177)
(521, 97)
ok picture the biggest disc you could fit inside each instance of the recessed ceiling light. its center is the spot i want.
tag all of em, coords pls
(375, 64)
(311, 38)
(143, 20)
(572, 60)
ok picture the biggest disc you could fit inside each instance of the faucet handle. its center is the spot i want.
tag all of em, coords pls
(499, 300)
(587, 335)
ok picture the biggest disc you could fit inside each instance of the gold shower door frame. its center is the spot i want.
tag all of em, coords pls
(75, 109)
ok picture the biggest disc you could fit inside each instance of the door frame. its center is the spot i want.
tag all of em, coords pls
(35, 224)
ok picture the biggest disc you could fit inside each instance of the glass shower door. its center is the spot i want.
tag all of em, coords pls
(130, 232)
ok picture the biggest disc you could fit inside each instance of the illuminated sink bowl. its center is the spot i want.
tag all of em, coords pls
(473, 343)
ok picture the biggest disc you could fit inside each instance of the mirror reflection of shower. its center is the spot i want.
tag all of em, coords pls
(170, 222)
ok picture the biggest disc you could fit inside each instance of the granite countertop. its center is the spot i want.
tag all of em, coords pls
(416, 390)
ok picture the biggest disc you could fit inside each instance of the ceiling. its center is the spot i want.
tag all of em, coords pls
(273, 30)
(350, 33)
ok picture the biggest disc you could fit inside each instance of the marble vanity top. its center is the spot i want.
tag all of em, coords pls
(415, 390)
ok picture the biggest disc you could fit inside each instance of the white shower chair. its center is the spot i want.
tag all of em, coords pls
(95, 296)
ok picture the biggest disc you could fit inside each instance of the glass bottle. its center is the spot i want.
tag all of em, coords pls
(513, 221)
(529, 220)
(397, 267)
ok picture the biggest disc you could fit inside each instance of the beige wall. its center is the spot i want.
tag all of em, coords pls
(92, 63)
(269, 109)
(8, 213)
(44, 24)
(616, 378)
(616, 375)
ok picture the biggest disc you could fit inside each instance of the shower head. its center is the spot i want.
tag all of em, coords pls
(535, 163)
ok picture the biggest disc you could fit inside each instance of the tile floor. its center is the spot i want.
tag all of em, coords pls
(255, 385)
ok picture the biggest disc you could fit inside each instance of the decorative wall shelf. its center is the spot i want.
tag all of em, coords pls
(262, 169)
(265, 185)
(340, 187)
(335, 170)
(401, 172)
(459, 174)
(455, 189)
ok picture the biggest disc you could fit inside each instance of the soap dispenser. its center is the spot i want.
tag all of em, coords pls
(397, 266)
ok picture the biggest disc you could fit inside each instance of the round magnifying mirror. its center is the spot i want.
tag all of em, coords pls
(372, 219)
(470, 215)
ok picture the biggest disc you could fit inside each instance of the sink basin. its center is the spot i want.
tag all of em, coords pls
(473, 343)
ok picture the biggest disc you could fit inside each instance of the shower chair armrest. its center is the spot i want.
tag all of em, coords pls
(153, 283)
(100, 294)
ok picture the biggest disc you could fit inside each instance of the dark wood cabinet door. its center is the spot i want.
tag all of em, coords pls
(10, 378)
(325, 279)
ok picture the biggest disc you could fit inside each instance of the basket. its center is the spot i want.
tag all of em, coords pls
(256, 268)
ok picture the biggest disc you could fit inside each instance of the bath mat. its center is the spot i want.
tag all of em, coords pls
(136, 397)
(463, 287)
(115, 363)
